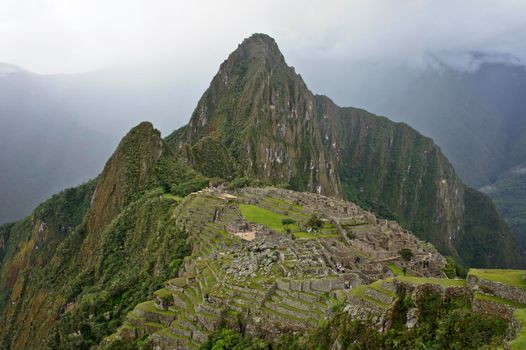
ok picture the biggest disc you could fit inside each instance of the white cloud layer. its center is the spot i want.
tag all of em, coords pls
(65, 36)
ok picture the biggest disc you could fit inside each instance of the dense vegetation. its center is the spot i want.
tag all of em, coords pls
(90, 254)
(141, 249)
(448, 324)
(477, 118)
(484, 228)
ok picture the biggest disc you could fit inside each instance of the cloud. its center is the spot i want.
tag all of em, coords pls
(57, 36)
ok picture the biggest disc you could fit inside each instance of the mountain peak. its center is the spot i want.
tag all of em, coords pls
(258, 48)
(269, 126)
(127, 171)
(259, 39)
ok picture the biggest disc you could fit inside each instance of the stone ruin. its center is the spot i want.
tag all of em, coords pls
(284, 283)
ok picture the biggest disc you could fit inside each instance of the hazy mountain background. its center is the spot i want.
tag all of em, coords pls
(60, 129)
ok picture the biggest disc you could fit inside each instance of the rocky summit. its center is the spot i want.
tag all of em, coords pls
(274, 219)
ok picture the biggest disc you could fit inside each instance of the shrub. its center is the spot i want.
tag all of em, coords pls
(406, 254)
(453, 269)
(314, 222)
(288, 221)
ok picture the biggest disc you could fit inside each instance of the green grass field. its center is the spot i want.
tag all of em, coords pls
(395, 269)
(510, 277)
(257, 215)
(273, 221)
(172, 197)
(398, 271)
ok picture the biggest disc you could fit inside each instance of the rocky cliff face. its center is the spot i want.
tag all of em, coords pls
(272, 127)
(264, 115)
(125, 173)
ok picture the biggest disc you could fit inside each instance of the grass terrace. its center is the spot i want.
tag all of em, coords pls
(163, 293)
(149, 306)
(377, 285)
(513, 278)
(273, 221)
(173, 197)
(395, 269)
(498, 300)
(398, 271)
(258, 215)
(360, 292)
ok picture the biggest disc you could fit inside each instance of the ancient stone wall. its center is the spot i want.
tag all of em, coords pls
(488, 307)
(501, 290)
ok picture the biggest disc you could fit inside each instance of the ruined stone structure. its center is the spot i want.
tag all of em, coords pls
(276, 280)
(271, 280)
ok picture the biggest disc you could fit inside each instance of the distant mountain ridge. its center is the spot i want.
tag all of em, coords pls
(477, 117)
(58, 130)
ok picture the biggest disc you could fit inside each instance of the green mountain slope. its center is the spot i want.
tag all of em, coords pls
(91, 253)
(270, 126)
(476, 116)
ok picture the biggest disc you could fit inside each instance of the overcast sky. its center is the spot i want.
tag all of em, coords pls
(66, 36)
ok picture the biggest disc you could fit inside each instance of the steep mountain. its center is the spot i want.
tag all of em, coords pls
(268, 125)
(476, 116)
(83, 249)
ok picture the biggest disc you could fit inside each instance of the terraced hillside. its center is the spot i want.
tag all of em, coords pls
(503, 293)
(281, 278)
(258, 268)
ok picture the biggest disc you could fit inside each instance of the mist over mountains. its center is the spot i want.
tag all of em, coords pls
(59, 130)
(268, 175)
(474, 111)
(476, 115)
